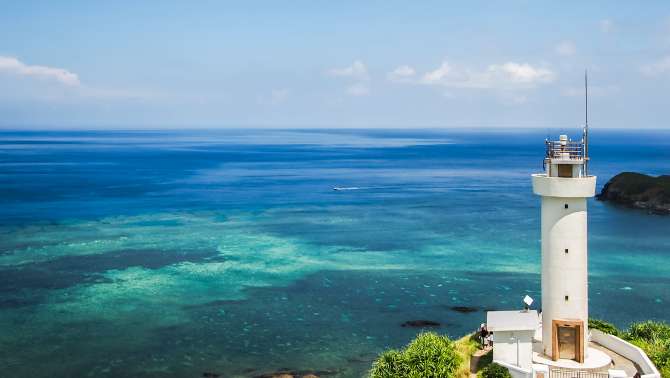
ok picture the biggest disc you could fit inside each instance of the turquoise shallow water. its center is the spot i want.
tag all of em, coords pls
(163, 254)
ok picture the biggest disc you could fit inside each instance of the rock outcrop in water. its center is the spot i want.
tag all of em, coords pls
(639, 191)
(420, 323)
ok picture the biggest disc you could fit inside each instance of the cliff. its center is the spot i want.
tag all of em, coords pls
(638, 191)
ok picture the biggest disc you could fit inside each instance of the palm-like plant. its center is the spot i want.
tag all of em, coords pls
(429, 355)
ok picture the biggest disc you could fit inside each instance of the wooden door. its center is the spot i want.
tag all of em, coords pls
(567, 340)
(567, 343)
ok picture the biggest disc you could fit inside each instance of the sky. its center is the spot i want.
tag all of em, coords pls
(298, 64)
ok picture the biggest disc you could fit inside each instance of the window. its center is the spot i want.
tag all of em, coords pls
(566, 250)
(566, 297)
(564, 170)
(566, 205)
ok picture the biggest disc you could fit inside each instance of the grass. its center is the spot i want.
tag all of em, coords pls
(466, 346)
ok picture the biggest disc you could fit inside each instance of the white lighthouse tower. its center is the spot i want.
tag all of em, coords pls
(564, 188)
(556, 343)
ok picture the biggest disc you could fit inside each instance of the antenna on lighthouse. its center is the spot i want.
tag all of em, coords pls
(586, 122)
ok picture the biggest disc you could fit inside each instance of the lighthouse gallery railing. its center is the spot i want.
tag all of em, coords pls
(561, 150)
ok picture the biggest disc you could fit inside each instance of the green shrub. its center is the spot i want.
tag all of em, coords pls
(604, 326)
(429, 355)
(649, 331)
(654, 339)
(495, 371)
(389, 364)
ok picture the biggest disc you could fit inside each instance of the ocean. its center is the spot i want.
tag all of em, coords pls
(178, 253)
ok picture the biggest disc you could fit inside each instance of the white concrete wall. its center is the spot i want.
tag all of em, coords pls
(564, 274)
(614, 373)
(505, 347)
(627, 350)
(564, 186)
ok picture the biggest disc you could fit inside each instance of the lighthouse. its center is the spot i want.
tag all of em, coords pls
(564, 188)
(557, 342)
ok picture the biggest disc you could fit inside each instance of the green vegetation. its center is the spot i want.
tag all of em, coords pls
(638, 183)
(432, 355)
(652, 337)
(495, 371)
(466, 346)
(428, 355)
(603, 326)
(639, 191)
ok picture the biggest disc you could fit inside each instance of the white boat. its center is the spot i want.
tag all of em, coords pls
(339, 188)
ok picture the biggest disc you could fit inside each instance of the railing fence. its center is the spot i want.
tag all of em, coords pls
(565, 373)
(556, 149)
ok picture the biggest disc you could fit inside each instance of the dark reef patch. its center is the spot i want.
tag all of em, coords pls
(420, 323)
(464, 309)
(25, 284)
(214, 303)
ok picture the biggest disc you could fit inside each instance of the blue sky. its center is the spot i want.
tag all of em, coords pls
(132, 64)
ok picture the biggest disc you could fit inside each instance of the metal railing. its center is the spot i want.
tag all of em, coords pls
(567, 373)
(564, 150)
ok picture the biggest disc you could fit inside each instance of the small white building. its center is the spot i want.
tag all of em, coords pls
(513, 333)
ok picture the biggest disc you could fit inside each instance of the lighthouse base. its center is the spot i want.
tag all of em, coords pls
(595, 360)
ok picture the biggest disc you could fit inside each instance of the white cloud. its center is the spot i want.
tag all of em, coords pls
(606, 25)
(438, 75)
(566, 48)
(69, 88)
(14, 66)
(358, 89)
(509, 75)
(523, 73)
(401, 73)
(357, 73)
(357, 70)
(659, 67)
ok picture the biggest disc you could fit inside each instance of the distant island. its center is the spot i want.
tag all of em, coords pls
(639, 191)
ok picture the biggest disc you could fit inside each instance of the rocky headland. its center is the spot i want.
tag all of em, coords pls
(637, 190)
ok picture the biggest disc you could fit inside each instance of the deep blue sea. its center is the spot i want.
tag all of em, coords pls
(171, 254)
